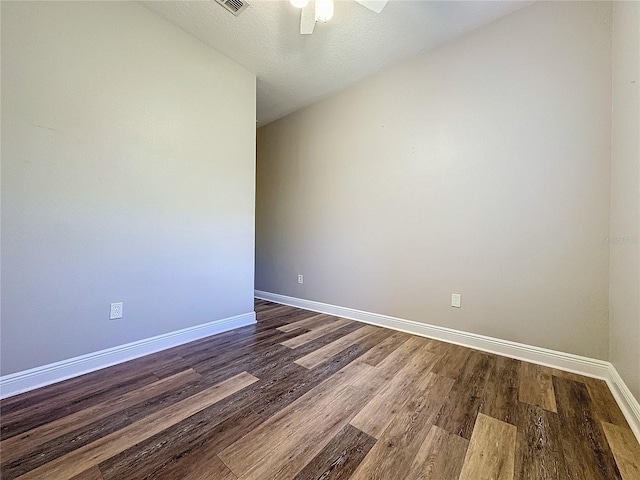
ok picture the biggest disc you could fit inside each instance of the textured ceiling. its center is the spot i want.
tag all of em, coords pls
(296, 70)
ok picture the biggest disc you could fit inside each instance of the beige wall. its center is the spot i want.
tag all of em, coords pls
(127, 175)
(481, 168)
(625, 196)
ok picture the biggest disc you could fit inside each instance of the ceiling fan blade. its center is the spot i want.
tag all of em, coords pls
(373, 5)
(307, 19)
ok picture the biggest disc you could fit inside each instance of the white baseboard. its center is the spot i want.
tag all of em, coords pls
(589, 367)
(551, 358)
(55, 372)
(627, 402)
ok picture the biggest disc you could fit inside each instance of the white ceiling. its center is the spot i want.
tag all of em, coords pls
(296, 70)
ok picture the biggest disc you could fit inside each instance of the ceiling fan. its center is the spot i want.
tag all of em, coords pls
(322, 11)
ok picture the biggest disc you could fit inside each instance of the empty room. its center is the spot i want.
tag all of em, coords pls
(320, 240)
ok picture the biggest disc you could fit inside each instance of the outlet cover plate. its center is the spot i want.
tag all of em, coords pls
(455, 300)
(116, 311)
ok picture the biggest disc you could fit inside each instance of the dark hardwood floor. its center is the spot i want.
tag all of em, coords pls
(313, 397)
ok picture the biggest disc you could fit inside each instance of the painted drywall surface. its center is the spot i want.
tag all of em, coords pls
(625, 196)
(128, 170)
(481, 168)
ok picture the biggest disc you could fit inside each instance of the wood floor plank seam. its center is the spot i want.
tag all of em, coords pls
(539, 454)
(322, 354)
(43, 412)
(340, 457)
(319, 331)
(194, 440)
(393, 454)
(491, 452)
(536, 387)
(376, 416)
(15, 447)
(244, 452)
(626, 450)
(591, 457)
(94, 453)
(306, 323)
(440, 456)
(278, 444)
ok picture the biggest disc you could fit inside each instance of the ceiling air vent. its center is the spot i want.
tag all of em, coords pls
(234, 6)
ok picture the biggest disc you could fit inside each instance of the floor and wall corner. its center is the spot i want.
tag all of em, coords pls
(528, 204)
(503, 165)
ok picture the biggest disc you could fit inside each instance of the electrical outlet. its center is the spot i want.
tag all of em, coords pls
(116, 311)
(455, 300)
(300, 279)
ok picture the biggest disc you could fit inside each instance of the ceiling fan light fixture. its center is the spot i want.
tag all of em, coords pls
(324, 10)
(299, 3)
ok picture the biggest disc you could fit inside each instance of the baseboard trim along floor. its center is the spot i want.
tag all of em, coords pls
(589, 367)
(24, 381)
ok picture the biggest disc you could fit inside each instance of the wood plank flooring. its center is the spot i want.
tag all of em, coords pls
(306, 396)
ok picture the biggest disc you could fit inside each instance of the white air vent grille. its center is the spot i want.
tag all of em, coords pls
(234, 6)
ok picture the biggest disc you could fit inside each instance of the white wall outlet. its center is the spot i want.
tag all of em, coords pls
(455, 300)
(116, 311)
(300, 279)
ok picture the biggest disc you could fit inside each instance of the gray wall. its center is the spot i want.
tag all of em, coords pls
(127, 175)
(625, 196)
(481, 168)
